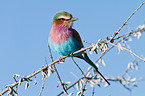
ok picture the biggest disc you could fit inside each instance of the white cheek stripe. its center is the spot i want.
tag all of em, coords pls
(64, 17)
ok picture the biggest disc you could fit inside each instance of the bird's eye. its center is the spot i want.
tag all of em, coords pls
(60, 19)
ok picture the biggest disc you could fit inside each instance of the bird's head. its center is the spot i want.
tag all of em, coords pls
(63, 17)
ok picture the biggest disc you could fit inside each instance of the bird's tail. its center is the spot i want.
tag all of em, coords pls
(86, 58)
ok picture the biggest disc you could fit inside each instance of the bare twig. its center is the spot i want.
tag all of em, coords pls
(115, 33)
(130, 52)
(74, 83)
(93, 91)
(123, 37)
(64, 89)
(42, 86)
(120, 81)
(50, 53)
(78, 66)
(128, 34)
(83, 89)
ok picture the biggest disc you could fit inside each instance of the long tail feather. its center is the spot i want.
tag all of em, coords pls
(86, 58)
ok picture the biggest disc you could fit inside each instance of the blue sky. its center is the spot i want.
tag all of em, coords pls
(24, 29)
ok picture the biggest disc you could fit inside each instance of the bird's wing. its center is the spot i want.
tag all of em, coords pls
(77, 37)
(80, 44)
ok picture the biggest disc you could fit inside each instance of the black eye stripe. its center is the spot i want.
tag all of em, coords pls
(63, 19)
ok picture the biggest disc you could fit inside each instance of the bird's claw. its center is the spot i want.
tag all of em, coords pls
(61, 60)
(71, 54)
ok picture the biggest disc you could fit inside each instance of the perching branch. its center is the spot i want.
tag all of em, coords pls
(121, 38)
(43, 68)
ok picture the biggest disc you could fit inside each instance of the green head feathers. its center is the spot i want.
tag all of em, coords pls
(62, 15)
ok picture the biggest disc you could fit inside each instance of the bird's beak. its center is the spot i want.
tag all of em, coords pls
(73, 19)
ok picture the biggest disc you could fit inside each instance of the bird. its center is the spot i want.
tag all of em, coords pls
(64, 40)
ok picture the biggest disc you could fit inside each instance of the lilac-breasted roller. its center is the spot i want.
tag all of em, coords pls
(63, 39)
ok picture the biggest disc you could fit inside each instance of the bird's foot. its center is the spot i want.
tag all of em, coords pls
(61, 60)
(71, 54)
